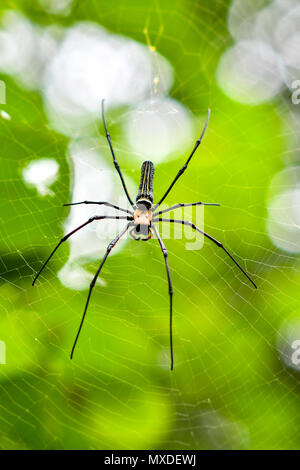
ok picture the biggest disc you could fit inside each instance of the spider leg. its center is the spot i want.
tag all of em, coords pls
(108, 250)
(219, 244)
(97, 217)
(113, 155)
(165, 253)
(176, 206)
(100, 203)
(182, 170)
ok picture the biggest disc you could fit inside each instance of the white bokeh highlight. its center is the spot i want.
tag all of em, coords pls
(57, 7)
(266, 56)
(250, 72)
(92, 64)
(159, 127)
(242, 17)
(4, 115)
(41, 174)
(283, 223)
(25, 48)
(94, 180)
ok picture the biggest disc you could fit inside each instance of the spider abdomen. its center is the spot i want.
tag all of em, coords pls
(145, 192)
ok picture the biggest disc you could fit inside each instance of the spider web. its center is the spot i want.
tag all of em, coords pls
(234, 384)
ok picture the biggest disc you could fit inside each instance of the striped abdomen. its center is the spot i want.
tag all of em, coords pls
(145, 192)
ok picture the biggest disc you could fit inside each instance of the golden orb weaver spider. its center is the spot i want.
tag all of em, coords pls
(141, 221)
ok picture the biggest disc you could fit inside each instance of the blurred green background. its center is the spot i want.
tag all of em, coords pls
(234, 384)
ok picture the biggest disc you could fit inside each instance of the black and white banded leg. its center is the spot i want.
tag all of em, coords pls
(182, 170)
(117, 166)
(177, 206)
(216, 242)
(165, 253)
(100, 203)
(108, 250)
(63, 239)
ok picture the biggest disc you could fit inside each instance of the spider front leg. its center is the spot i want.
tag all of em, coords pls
(182, 170)
(216, 242)
(108, 250)
(117, 166)
(100, 203)
(165, 253)
(63, 239)
(177, 206)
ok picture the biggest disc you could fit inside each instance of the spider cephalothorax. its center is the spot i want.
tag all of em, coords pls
(142, 218)
(141, 221)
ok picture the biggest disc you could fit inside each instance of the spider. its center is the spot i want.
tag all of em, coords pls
(141, 223)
